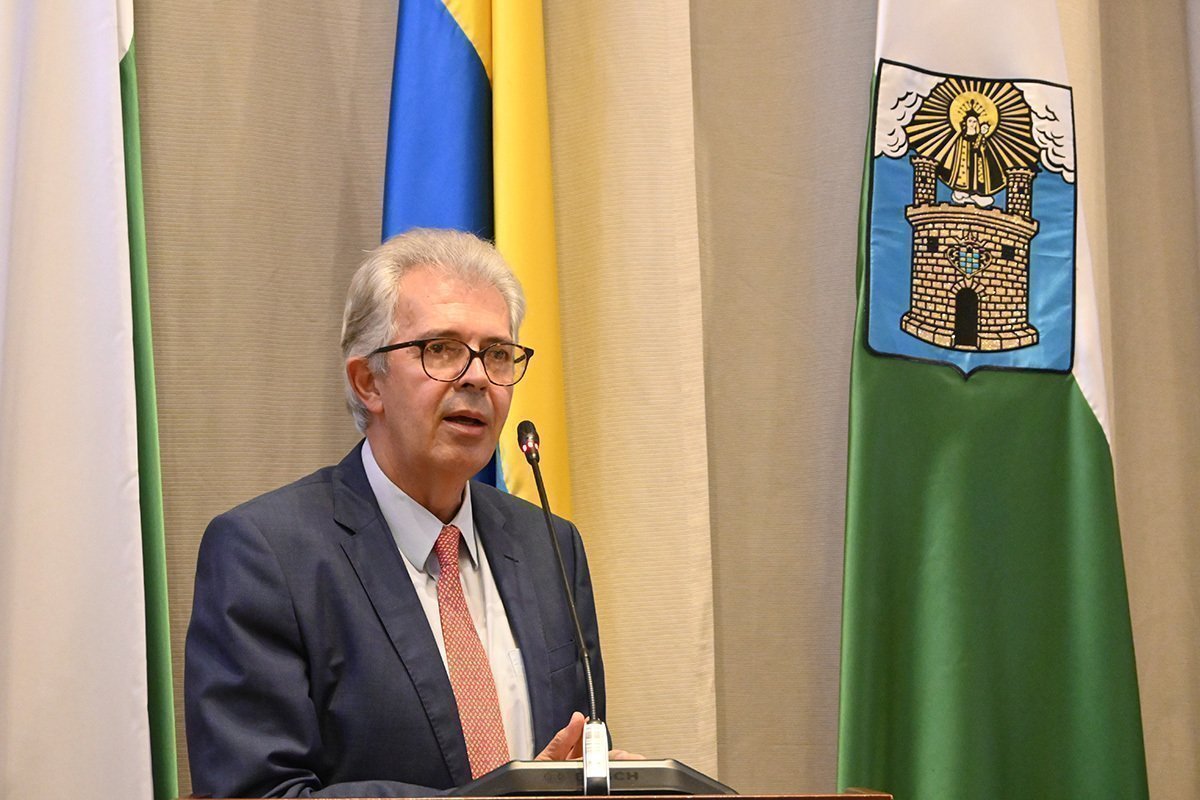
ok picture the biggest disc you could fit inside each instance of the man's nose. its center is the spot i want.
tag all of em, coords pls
(475, 375)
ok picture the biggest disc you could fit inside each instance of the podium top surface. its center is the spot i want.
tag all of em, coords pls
(859, 795)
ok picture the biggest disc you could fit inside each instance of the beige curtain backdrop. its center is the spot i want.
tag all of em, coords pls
(1154, 279)
(707, 160)
(780, 119)
(620, 84)
(264, 132)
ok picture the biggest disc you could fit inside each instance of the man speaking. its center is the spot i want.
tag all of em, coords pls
(385, 626)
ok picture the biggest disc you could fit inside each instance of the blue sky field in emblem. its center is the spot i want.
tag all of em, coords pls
(1051, 273)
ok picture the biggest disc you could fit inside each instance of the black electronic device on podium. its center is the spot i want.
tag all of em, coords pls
(594, 775)
(549, 778)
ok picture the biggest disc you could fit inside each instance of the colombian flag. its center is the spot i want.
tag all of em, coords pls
(469, 148)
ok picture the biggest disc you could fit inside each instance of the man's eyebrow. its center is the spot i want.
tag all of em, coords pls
(451, 333)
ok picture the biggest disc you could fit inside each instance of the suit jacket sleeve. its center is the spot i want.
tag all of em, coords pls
(252, 727)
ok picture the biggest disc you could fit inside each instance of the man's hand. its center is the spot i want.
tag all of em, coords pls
(624, 755)
(568, 744)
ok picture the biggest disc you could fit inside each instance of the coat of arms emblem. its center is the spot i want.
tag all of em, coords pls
(972, 221)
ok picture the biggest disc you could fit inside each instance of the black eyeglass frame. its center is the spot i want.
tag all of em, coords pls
(423, 343)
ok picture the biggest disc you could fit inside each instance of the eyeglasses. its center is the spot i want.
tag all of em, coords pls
(447, 360)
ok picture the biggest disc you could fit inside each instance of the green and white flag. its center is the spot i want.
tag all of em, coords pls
(85, 687)
(986, 648)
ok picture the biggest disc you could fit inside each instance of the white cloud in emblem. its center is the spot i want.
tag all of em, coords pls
(901, 92)
(1053, 126)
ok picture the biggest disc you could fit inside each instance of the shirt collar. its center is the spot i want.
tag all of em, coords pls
(413, 526)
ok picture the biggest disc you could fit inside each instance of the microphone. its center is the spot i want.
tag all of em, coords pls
(527, 439)
(595, 733)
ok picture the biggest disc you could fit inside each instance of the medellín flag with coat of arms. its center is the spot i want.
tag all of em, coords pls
(986, 648)
(85, 660)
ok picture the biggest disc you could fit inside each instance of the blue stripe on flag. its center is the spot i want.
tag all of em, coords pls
(439, 156)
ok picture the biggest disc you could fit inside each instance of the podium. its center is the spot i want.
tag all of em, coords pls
(861, 794)
(644, 779)
(663, 779)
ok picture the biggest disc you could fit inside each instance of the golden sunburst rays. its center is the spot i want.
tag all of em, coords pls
(1002, 122)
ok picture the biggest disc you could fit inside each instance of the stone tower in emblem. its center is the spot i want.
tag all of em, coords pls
(970, 259)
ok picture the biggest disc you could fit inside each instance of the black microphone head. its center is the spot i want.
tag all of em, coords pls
(527, 439)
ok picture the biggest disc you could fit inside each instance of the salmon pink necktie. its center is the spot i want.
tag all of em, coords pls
(470, 672)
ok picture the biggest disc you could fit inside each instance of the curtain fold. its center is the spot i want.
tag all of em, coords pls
(629, 270)
(263, 139)
(781, 118)
(1154, 279)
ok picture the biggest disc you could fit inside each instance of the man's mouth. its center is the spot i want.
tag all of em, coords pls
(465, 419)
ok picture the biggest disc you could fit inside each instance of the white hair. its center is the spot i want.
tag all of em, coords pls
(369, 321)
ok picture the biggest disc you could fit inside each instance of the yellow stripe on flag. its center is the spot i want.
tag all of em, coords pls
(524, 206)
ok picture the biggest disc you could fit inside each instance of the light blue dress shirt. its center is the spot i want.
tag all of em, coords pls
(415, 530)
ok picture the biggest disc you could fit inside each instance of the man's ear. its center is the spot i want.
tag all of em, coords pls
(363, 381)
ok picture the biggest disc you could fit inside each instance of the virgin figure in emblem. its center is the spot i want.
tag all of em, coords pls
(975, 174)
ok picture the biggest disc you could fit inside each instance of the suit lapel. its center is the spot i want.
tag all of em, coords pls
(515, 583)
(380, 567)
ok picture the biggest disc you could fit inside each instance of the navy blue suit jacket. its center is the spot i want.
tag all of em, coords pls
(310, 665)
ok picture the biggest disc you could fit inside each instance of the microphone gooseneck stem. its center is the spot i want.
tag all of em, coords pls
(595, 739)
(562, 568)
